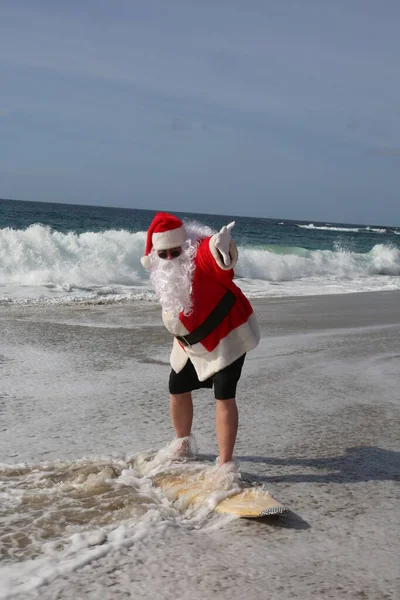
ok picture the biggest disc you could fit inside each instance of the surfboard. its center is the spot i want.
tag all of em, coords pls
(251, 503)
(247, 502)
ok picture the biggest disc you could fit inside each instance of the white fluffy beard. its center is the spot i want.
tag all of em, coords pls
(172, 279)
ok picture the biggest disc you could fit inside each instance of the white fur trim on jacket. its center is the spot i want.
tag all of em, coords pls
(169, 239)
(240, 340)
(218, 256)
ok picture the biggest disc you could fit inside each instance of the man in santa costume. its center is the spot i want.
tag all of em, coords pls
(212, 321)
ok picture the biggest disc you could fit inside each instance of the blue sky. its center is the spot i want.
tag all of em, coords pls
(262, 108)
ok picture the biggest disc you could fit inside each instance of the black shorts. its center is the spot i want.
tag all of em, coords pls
(224, 382)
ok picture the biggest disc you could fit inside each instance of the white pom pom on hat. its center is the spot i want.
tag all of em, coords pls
(166, 231)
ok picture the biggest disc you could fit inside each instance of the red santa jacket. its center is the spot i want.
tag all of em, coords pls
(236, 334)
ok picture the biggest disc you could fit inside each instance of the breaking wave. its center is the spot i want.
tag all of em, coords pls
(39, 264)
(366, 229)
(288, 264)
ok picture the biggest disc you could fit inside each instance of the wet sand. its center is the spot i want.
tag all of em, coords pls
(319, 408)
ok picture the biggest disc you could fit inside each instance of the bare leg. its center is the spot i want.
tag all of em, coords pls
(181, 407)
(227, 420)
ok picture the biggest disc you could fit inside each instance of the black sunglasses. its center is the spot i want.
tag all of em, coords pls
(174, 253)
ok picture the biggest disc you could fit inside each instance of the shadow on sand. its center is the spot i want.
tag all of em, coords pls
(360, 464)
(363, 463)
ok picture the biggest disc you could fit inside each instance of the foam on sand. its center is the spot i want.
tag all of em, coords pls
(58, 517)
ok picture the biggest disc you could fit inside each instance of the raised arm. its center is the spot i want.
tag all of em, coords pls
(219, 252)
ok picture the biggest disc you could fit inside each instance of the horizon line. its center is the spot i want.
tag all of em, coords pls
(180, 212)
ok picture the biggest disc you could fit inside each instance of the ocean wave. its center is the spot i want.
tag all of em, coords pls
(329, 228)
(366, 229)
(40, 264)
(39, 255)
(260, 264)
(376, 229)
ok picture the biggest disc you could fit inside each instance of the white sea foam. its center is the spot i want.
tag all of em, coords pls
(329, 228)
(89, 508)
(41, 265)
(39, 255)
(344, 229)
(270, 266)
(376, 229)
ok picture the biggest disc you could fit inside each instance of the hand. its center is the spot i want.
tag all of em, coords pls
(222, 242)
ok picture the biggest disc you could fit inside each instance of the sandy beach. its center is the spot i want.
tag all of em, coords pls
(319, 405)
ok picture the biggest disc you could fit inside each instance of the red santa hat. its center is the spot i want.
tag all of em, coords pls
(166, 231)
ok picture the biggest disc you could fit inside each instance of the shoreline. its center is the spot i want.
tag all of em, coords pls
(281, 315)
(48, 303)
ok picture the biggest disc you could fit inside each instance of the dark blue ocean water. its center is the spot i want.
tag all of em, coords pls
(280, 234)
